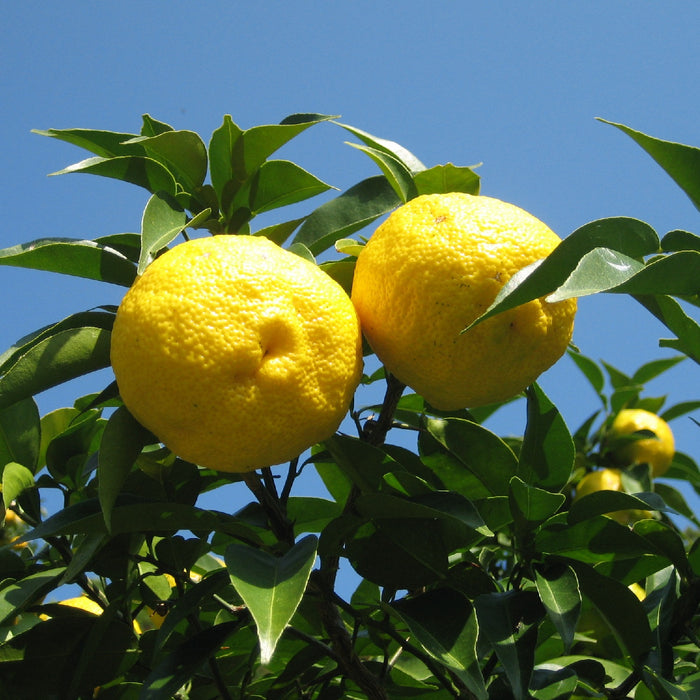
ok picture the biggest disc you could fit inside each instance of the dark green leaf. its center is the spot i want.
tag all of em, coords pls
(591, 371)
(447, 178)
(279, 233)
(122, 442)
(680, 240)
(15, 597)
(161, 222)
(600, 502)
(677, 274)
(20, 434)
(531, 506)
(179, 666)
(54, 360)
(106, 144)
(16, 479)
(553, 683)
(681, 162)
(351, 211)
(674, 499)
(271, 587)
(182, 152)
(396, 172)
(670, 313)
(342, 271)
(444, 623)
(560, 595)
(138, 170)
(68, 256)
(653, 369)
(311, 514)
(547, 453)
(500, 615)
(665, 541)
(630, 237)
(221, 147)
(479, 450)
(619, 607)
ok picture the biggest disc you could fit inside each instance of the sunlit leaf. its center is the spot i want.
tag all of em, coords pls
(161, 222)
(531, 505)
(271, 587)
(106, 144)
(15, 597)
(54, 360)
(560, 595)
(80, 258)
(396, 172)
(16, 479)
(447, 178)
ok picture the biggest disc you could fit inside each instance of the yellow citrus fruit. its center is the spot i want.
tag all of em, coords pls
(431, 269)
(656, 451)
(235, 353)
(609, 480)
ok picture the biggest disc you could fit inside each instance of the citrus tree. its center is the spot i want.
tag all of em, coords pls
(485, 571)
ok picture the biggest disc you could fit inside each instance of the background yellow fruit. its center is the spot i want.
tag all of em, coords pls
(235, 353)
(432, 268)
(609, 480)
(657, 452)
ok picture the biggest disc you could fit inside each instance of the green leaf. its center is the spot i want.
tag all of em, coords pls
(478, 450)
(122, 441)
(272, 587)
(630, 237)
(445, 625)
(182, 152)
(138, 170)
(106, 144)
(20, 430)
(531, 506)
(651, 370)
(550, 683)
(69, 256)
(500, 615)
(599, 270)
(665, 541)
(560, 595)
(547, 453)
(601, 502)
(396, 173)
(153, 127)
(447, 178)
(676, 274)
(620, 609)
(278, 183)
(681, 162)
(16, 479)
(671, 314)
(180, 665)
(680, 240)
(54, 360)
(591, 371)
(162, 220)
(279, 233)
(351, 211)
(15, 597)
(311, 514)
(221, 147)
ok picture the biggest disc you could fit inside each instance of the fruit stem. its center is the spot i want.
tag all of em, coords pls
(375, 431)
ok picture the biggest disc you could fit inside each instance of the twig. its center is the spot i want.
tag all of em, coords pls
(276, 515)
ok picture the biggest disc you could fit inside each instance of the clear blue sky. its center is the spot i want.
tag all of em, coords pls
(515, 86)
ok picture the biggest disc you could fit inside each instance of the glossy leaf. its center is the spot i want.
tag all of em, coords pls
(445, 625)
(80, 258)
(547, 453)
(681, 162)
(630, 237)
(478, 450)
(162, 221)
(271, 587)
(677, 274)
(396, 172)
(138, 170)
(54, 360)
(20, 434)
(122, 442)
(106, 144)
(447, 178)
(182, 152)
(351, 211)
(560, 595)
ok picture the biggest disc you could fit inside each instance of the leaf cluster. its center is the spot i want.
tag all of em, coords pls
(479, 575)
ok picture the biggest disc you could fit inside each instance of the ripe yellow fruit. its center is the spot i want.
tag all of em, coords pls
(656, 451)
(609, 480)
(235, 353)
(432, 268)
